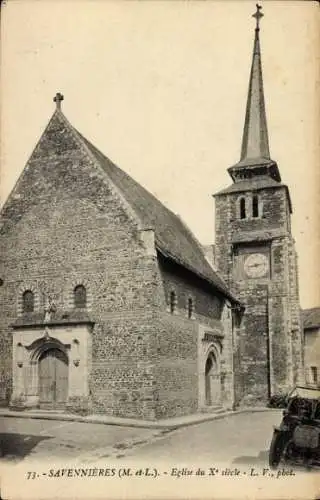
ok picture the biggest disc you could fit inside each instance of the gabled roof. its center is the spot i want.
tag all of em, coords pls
(311, 318)
(173, 238)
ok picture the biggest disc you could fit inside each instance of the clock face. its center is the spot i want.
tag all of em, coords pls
(256, 265)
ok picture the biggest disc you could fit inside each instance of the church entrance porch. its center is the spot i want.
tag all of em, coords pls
(53, 378)
(51, 367)
(210, 352)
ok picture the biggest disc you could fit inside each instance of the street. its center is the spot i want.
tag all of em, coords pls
(235, 439)
(36, 439)
(60, 459)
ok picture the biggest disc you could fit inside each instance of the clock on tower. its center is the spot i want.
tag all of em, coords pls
(251, 262)
(256, 265)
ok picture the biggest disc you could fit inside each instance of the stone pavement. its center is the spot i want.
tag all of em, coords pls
(169, 423)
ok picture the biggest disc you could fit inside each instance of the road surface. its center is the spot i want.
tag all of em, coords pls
(234, 439)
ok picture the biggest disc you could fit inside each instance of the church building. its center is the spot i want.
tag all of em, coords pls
(109, 303)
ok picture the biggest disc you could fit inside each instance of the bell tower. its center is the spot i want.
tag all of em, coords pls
(255, 254)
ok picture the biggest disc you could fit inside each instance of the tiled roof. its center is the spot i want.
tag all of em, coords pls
(172, 237)
(311, 318)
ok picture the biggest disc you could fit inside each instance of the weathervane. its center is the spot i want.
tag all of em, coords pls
(258, 15)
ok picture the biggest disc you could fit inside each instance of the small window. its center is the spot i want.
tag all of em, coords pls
(80, 296)
(242, 208)
(314, 374)
(28, 301)
(173, 302)
(255, 206)
(190, 308)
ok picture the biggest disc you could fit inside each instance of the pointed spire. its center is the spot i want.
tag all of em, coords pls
(255, 143)
(255, 155)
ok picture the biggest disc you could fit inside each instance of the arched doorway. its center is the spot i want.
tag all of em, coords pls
(212, 381)
(53, 377)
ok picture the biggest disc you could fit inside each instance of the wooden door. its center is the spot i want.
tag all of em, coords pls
(53, 376)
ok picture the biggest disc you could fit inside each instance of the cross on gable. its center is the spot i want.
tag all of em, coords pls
(58, 98)
(258, 15)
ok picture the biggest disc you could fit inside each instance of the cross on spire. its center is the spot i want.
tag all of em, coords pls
(258, 15)
(58, 98)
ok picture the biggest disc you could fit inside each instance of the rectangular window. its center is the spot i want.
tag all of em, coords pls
(314, 374)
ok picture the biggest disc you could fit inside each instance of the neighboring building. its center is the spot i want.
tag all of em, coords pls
(255, 254)
(311, 328)
(109, 303)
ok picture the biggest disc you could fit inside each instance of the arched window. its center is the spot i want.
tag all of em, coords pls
(28, 301)
(80, 296)
(255, 206)
(242, 203)
(173, 302)
(190, 308)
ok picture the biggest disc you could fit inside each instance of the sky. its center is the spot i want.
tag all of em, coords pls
(160, 87)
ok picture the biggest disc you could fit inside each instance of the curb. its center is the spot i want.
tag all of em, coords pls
(124, 422)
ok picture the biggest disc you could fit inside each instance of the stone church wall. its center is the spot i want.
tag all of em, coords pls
(80, 246)
(251, 355)
(177, 368)
(67, 226)
(296, 324)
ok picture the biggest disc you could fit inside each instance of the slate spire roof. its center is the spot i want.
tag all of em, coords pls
(255, 158)
(255, 142)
